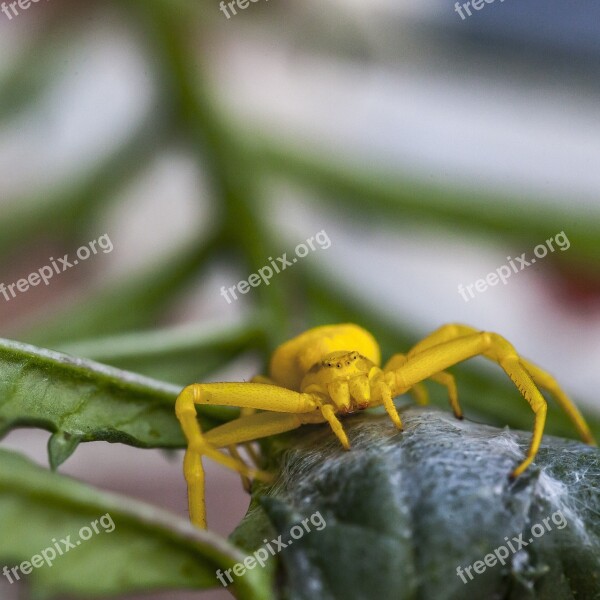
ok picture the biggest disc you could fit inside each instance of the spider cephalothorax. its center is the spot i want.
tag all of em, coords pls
(312, 351)
(333, 370)
(342, 378)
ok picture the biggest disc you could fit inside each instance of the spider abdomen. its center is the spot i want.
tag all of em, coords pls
(295, 359)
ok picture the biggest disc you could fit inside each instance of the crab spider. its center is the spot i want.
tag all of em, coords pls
(333, 370)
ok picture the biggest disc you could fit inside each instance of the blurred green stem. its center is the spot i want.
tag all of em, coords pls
(64, 210)
(136, 302)
(159, 343)
(235, 184)
(373, 193)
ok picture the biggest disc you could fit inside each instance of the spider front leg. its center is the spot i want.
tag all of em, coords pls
(245, 395)
(540, 377)
(419, 391)
(244, 412)
(384, 392)
(438, 357)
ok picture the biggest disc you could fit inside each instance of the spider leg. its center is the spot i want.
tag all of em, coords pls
(252, 453)
(445, 333)
(259, 396)
(419, 391)
(340, 394)
(238, 431)
(420, 394)
(328, 413)
(548, 383)
(541, 378)
(244, 412)
(245, 395)
(247, 429)
(245, 479)
(383, 391)
(435, 358)
(447, 380)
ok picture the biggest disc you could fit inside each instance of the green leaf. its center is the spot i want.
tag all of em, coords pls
(136, 547)
(404, 509)
(83, 401)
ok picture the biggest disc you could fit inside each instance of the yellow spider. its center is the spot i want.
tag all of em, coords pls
(334, 370)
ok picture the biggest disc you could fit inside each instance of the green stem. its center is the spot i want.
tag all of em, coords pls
(161, 343)
(219, 149)
(62, 212)
(125, 305)
(377, 193)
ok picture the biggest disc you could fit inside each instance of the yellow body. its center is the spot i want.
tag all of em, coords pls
(335, 370)
(293, 359)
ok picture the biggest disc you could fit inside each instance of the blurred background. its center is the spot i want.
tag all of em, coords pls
(428, 147)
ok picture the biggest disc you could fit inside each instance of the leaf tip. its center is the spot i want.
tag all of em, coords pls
(60, 447)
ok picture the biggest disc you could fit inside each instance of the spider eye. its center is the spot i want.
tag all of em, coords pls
(339, 366)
